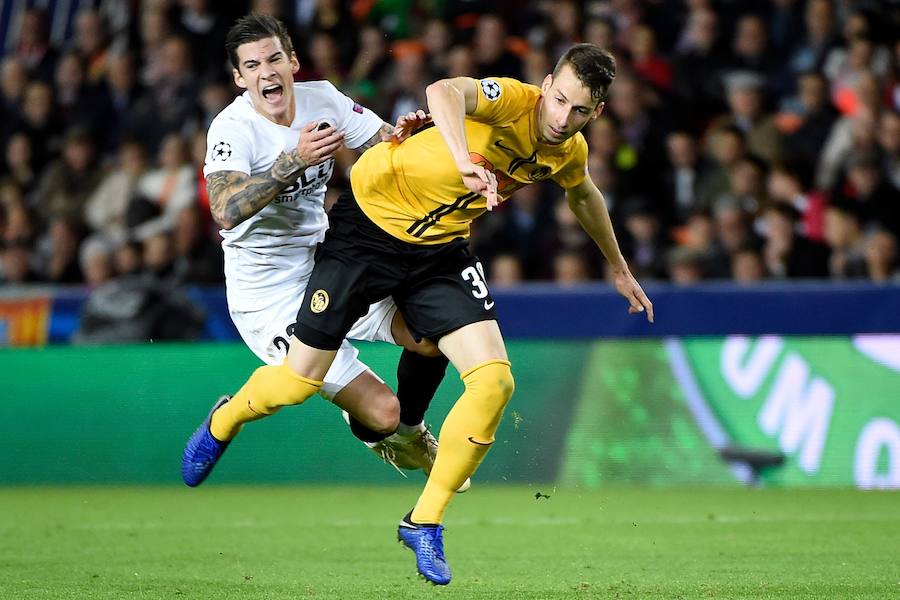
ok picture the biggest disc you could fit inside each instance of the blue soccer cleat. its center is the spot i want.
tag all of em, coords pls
(427, 542)
(202, 451)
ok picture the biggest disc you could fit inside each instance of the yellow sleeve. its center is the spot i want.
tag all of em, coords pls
(502, 99)
(574, 171)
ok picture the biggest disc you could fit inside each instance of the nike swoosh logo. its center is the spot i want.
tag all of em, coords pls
(488, 305)
(499, 144)
(474, 441)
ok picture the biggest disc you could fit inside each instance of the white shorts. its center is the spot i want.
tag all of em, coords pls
(266, 333)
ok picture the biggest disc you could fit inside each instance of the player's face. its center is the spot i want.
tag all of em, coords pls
(566, 106)
(267, 72)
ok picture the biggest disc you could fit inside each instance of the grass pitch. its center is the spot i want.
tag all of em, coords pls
(502, 542)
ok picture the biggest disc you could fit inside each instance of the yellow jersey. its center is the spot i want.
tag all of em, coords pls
(414, 191)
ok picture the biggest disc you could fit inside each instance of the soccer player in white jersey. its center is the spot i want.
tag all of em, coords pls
(270, 154)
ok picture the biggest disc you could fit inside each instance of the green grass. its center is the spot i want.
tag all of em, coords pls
(339, 542)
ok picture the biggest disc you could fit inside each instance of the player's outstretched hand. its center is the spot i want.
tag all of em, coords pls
(318, 142)
(407, 125)
(628, 286)
(481, 181)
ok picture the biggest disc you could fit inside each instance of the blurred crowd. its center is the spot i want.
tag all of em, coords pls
(744, 140)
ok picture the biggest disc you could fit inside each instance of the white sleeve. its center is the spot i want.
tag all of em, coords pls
(357, 122)
(229, 147)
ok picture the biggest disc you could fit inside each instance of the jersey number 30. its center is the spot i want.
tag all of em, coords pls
(475, 275)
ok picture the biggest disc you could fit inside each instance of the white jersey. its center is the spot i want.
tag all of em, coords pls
(273, 246)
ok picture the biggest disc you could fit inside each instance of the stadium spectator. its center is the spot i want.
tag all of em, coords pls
(644, 244)
(197, 259)
(67, 183)
(570, 268)
(806, 120)
(685, 265)
(868, 189)
(166, 190)
(18, 168)
(15, 267)
(33, 47)
(505, 270)
(881, 256)
(92, 43)
(744, 91)
(747, 266)
(889, 146)
(105, 211)
(786, 253)
(13, 78)
(57, 252)
(685, 179)
(844, 236)
(120, 95)
(38, 121)
(492, 56)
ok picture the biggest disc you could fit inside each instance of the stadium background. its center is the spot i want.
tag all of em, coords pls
(750, 154)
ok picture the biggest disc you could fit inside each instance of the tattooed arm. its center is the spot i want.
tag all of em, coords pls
(234, 197)
(382, 135)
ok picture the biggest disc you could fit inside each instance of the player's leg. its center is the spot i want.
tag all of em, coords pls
(449, 301)
(419, 373)
(479, 354)
(273, 387)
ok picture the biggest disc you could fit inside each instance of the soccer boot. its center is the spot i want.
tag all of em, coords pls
(416, 450)
(427, 542)
(202, 451)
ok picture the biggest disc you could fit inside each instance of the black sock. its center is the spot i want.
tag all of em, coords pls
(365, 434)
(418, 378)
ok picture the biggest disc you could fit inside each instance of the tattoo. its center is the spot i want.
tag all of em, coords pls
(380, 135)
(288, 166)
(234, 197)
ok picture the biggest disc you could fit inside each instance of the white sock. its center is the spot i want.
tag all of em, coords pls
(409, 430)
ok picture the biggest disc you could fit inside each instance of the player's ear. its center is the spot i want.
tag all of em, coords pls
(598, 110)
(238, 80)
(295, 64)
(545, 85)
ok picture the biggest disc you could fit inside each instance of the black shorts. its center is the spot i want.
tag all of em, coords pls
(437, 288)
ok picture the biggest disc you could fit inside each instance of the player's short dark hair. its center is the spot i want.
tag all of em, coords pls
(594, 67)
(252, 28)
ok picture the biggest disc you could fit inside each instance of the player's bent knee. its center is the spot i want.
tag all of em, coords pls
(384, 415)
(278, 386)
(493, 383)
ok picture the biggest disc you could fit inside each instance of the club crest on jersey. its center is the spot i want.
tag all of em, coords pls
(491, 89)
(221, 151)
(319, 301)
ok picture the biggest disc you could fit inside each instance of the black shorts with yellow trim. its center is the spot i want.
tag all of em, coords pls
(437, 288)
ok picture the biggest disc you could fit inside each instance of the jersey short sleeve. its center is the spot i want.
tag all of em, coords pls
(574, 171)
(357, 122)
(502, 99)
(229, 146)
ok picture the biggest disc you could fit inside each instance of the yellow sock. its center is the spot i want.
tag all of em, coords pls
(267, 390)
(466, 436)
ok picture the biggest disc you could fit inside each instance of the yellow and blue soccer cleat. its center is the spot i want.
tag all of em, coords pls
(202, 451)
(427, 541)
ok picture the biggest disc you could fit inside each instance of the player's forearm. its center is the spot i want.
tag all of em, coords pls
(447, 105)
(382, 135)
(234, 197)
(593, 215)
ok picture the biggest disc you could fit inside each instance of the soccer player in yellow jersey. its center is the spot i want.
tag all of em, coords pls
(402, 231)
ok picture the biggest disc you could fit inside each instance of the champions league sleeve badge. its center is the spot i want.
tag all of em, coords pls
(221, 151)
(491, 89)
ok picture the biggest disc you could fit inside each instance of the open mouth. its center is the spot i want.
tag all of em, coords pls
(273, 93)
(557, 132)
